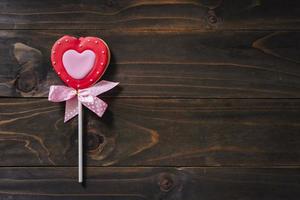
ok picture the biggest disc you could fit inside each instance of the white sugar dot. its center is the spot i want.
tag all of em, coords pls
(67, 40)
(91, 80)
(96, 42)
(54, 63)
(80, 45)
(98, 72)
(68, 80)
(103, 52)
(58, 42)
(101, 63)
(58, 73)
(78, 85)
(53, 52)
(88, 40)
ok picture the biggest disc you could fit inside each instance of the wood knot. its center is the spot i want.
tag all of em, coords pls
(101, 140)
(26, 81)
(31, 69)
(94, 141)
(212, 17)
(99, 146)
(166, 182)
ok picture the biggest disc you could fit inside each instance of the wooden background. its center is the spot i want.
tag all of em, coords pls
(208, 107)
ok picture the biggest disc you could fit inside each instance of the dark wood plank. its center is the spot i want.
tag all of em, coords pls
(150, 183)
(117, 15)
(256, 15)
(198, 65)
(148, 15)
(154, 132)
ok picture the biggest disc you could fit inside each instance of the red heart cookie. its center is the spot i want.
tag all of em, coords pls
(81, 62)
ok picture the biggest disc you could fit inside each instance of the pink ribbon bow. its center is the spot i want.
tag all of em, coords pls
(88, 97)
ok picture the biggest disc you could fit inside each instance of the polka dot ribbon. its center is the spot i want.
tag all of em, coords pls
(88, 97)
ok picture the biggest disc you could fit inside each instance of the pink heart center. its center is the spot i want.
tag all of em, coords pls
(78, 65)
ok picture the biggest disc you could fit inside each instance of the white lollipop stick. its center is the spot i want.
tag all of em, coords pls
(80, 174)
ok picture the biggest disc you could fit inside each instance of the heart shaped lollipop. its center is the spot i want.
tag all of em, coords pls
(80, 62)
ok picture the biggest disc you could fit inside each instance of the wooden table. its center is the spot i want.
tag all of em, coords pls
(208, 107)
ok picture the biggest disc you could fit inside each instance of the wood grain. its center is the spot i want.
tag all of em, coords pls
(208, 106)
(154, 132)
(209, 89)
(150, 183)
(149, 15)
(193, 65)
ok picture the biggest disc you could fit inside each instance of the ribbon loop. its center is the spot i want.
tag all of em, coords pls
(88, 97)
(59, 93)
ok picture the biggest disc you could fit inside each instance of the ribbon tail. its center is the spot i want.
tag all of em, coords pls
(97, 106)
(71, 109)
